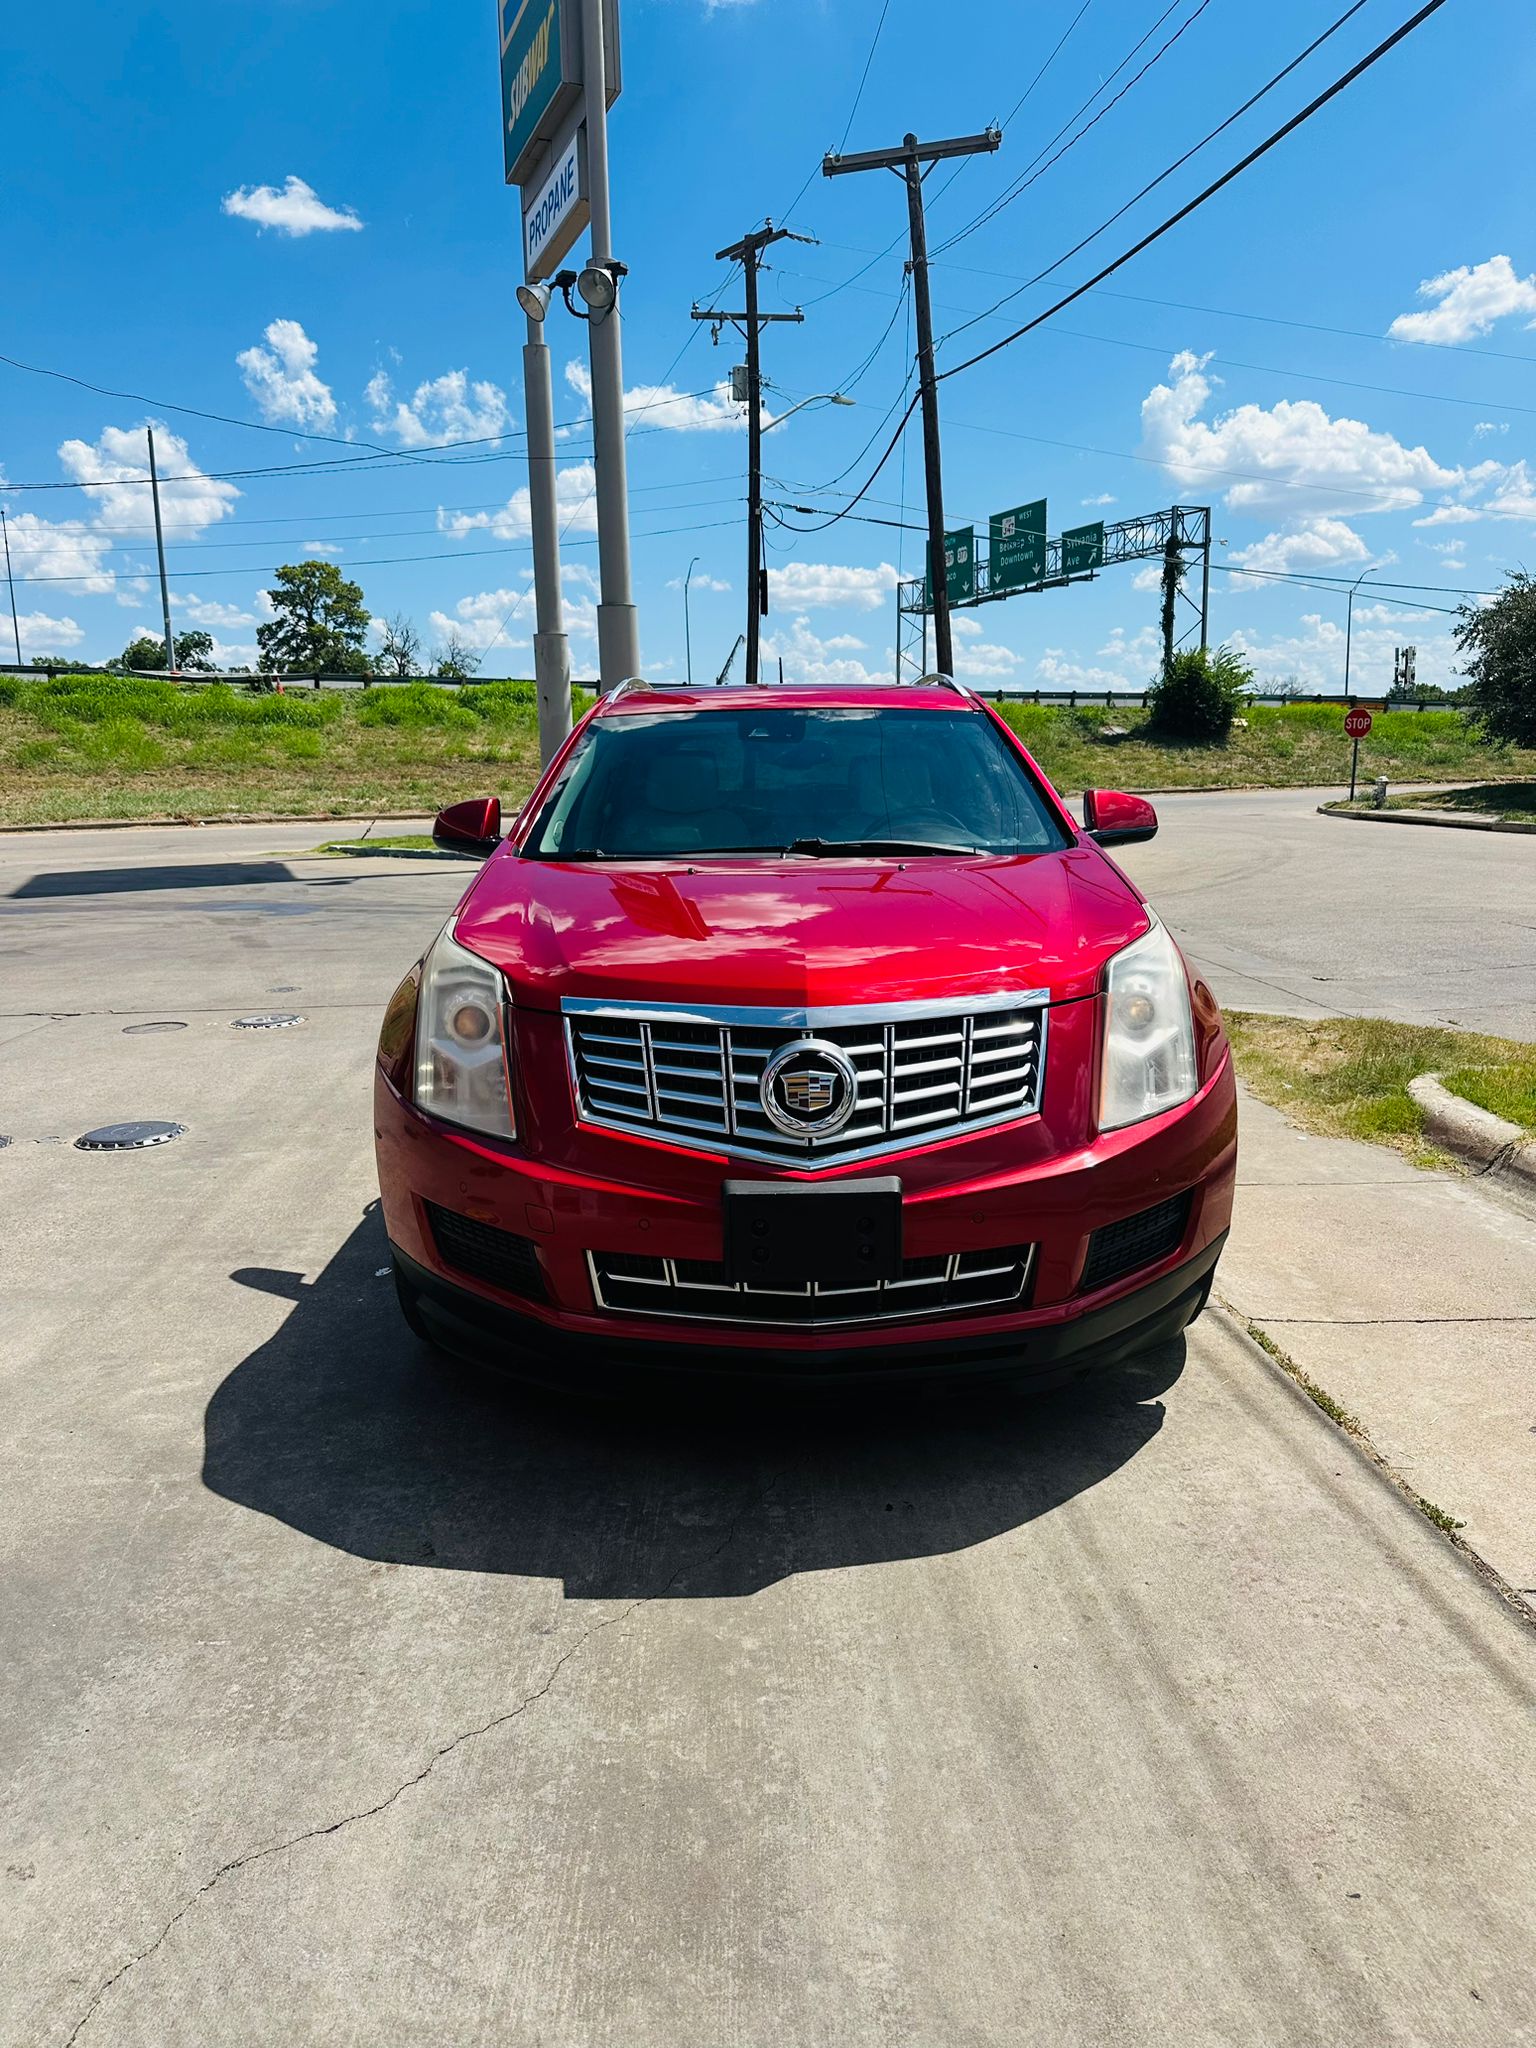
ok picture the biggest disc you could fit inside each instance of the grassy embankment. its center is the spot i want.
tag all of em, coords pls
(1347, 1077)
(102, 747)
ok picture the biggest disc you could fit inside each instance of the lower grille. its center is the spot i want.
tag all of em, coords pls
(1134, 1241)
(497, 1257)
(697, 1290)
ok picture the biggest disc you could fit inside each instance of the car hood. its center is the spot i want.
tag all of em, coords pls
(801, 933)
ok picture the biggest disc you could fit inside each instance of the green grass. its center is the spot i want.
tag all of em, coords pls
(1281, 747)
(1347, 1077)
(134, 747)
(390, 842)
(84, 747)
(1486, 799)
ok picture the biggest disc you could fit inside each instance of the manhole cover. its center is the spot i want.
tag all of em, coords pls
(163, 1024)
(272, 1020)
(129, 1137)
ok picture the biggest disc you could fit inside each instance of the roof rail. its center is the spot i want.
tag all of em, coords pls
(629, 683)
(937, 680)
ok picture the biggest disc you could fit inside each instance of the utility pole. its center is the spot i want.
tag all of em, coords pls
(1349, 621)
(165, 590)
(907, 162)
(1173, 571)
(618, 638)
(551, 648)
(748, 253)
(5, 534)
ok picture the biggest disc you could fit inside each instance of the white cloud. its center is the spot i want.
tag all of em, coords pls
(477, 619)
(1103, 498)
(54, 549)
(1484, 428)
(810, 659)
(1316, 544)
(1149, 578)
(1054, 671)
(41, 634)
(208, 612)
(446, 408)
(1449, 514)
(321, 547)
(575, 501)
(1514, 496)
(1287, 452)
(982, 659)
(698, 583)
(810, 586)
(120, 461)
(281, 378)
(1314, 652)
(1471, 299)
(663, 405)
(295, 210)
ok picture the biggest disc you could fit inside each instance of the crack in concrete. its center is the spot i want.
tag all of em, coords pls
(1368, 1322)
(347, 1820)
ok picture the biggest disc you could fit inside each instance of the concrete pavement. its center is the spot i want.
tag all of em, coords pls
(344, 1703)
(1284, 910)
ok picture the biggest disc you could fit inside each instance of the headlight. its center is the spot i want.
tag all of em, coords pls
(461, 1055)
(1149, 1035)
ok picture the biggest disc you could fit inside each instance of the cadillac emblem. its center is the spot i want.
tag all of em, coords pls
(810, 1088)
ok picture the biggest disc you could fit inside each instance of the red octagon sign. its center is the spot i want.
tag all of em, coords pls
(1357, 722)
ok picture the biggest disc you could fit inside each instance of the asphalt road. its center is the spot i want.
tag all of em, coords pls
(344, 1702)
(1286, 910)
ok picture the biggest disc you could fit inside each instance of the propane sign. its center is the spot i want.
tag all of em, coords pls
(555, 208)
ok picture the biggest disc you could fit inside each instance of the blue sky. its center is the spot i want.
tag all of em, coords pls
(294, 215)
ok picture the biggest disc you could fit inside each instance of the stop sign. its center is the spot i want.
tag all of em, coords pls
(1357, 722)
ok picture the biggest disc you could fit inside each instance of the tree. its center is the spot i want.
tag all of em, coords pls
(193, 651)
(1200, 694)
(319, 623)
(399, 648)
(1500, 639)
(455, 661)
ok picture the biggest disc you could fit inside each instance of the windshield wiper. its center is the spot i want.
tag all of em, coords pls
(893, 847)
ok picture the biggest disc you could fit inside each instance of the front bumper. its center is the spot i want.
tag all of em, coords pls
(977, 1197)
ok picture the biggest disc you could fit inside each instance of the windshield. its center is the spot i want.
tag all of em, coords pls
(648, 786)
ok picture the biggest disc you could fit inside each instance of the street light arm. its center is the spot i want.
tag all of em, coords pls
(816, 398)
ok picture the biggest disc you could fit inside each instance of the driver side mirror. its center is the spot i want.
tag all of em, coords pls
(472, 829)
(1111, 818)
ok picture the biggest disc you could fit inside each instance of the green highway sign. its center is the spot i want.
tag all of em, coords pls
(535, 87)
(959, 567)
(1082, 548)
(1018, 546)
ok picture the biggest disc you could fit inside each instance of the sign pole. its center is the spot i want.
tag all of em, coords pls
(1354, 766)
(618, 638)
(551, 648)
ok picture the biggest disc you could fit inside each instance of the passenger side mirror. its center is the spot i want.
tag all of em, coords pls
(1111, 818)
(472, 828)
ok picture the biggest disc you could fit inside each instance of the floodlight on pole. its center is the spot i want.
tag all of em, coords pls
(598, 284)
(534, 300)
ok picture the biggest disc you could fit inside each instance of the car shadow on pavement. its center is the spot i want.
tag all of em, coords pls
(343, 1427)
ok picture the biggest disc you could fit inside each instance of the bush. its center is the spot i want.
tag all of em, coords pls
(1200, 695)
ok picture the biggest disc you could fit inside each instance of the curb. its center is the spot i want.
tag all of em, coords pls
(1485, 1141)
(231, 818)
(1454, 821)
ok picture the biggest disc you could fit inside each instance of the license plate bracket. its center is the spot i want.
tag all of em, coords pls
(781, 1234)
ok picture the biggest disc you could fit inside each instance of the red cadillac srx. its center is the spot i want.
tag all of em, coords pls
(802, 1031)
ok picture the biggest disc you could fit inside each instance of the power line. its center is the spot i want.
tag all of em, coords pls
(874, 44)
(1162, 176)
(1219, 184)
(1031, 174)
(1460, 348)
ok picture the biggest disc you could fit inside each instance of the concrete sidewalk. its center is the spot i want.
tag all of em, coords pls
(1410, 1297)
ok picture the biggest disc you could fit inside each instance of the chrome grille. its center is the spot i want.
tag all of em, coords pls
(696, 1290)
(695, 1074)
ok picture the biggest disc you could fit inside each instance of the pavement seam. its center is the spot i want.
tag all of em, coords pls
(1370, 1322)
(238, 1863)
(1280, 1363)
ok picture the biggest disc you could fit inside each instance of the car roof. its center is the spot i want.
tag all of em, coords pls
(650, 699)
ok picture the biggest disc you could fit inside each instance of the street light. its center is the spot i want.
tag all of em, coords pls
(1349, 619)
(687, 624)
(534, 300)
(816, 398)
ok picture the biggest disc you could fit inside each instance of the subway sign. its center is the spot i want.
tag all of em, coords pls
(541, 74)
